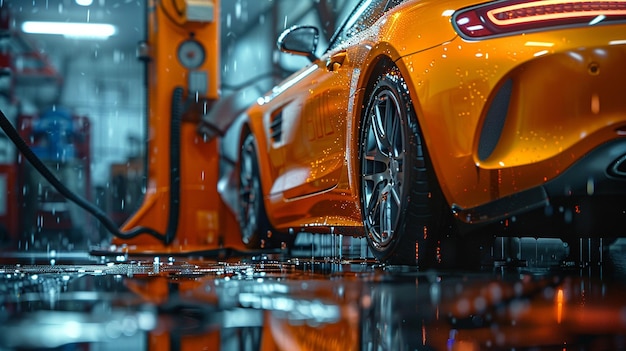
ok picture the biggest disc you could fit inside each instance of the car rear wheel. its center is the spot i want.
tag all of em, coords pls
(253, 221)
(399, 194)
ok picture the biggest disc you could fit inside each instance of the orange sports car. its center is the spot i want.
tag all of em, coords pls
(430, 126)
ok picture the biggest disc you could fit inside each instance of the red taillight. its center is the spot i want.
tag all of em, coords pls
(506, 17)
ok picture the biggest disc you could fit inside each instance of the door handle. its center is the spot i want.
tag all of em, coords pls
(336, 61)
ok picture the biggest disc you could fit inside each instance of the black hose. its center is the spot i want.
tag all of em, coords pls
(175, 150)
(170, 234)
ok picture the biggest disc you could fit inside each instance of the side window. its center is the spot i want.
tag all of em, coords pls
(393, 3)
(364, 16)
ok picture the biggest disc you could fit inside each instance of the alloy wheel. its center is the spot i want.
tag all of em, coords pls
(382, 167)
(249, 193)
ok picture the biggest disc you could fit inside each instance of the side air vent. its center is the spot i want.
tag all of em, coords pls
(618, 168)
(494, 121)
(276, 127)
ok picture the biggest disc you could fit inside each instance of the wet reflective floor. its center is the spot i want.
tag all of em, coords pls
(327, 295)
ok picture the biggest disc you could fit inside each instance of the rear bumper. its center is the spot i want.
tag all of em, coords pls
(587, 199)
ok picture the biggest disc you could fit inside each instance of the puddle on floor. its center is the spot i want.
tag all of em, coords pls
(311, 302)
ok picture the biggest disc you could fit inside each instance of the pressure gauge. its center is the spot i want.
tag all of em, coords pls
(191, 54)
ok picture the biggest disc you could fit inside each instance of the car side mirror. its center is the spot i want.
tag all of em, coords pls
(300, 40)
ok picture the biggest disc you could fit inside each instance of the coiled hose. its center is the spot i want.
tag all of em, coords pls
(100, 215)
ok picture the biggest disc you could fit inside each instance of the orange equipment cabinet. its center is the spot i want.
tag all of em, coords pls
(181, 204)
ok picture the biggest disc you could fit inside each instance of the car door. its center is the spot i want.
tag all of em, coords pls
(308, 128)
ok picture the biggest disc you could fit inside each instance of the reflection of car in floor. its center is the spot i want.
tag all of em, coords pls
(428, 126)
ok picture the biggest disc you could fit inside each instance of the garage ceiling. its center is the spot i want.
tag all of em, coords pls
(127, 15)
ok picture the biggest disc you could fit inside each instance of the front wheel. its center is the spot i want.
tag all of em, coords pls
(399, 194)
(253, 222)
(255, 227)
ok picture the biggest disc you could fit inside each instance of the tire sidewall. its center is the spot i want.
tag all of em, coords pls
(253, 239)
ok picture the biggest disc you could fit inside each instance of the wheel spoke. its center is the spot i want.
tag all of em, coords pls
(379, 119)
(375, 164)
(379, 213)
(377, 158)
(374, 173)
(395, 195)
(395, 138)
(385, 215)
(394, 129)
(372, 205)
(390, 121)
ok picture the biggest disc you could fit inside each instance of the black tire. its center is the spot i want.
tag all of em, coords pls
(256, 229)
(253, 221)
(400, 198)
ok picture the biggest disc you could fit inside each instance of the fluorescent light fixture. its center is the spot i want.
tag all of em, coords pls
(70, 29)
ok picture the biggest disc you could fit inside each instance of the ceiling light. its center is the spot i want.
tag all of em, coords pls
(71, 30)
(84, 2)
